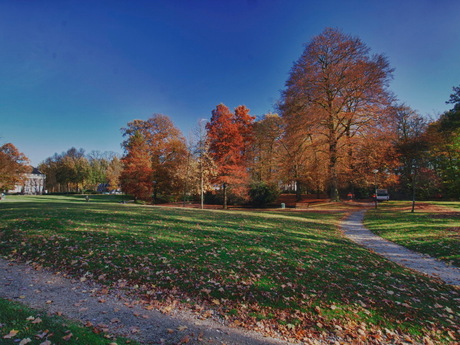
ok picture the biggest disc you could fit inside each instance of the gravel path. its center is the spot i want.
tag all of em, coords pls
(354, 229)
(88, 302)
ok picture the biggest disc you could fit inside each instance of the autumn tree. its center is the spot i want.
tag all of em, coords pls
(136, 178)
(373, 162)
(229, 137)
(113, 173)
(13, 166)
(444, 141)
(167, 152)
(335, 90)
(266, 149)
(203, 168)
(99, 163)
(412, 147)
(66, 172)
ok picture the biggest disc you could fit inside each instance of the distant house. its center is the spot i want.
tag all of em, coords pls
(33, 184)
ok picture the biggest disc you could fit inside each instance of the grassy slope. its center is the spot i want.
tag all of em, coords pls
(288, 272)
(433, 229)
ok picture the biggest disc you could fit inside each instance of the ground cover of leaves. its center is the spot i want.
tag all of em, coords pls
(22, 325)
(287, 274)
(433, 229)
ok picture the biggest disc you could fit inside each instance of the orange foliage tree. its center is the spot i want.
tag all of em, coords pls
(163, 155)
(229, 136)
(137, 175)
(265, 149)
(336, 90)
(13, 166)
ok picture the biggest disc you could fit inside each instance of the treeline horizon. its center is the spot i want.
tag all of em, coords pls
(339, 130)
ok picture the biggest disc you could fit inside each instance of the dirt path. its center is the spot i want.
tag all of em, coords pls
(354, 229)
(121, 315)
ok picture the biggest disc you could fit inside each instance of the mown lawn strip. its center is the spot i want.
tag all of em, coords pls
(433, 229)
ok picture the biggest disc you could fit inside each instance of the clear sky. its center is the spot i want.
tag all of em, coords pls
(73, 72)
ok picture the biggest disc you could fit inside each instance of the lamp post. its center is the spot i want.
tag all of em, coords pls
(375, 171)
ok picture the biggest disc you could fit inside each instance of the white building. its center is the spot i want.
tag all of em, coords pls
(33, 185)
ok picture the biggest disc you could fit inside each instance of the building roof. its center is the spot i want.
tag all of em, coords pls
(35, 171)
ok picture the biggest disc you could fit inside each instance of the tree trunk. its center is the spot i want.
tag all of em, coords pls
(414, 182)
(224, 186)
(202, 190)
(298, 190)
(334, 181)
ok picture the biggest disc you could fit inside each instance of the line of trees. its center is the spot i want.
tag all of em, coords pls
(339, 130)
(74, 171)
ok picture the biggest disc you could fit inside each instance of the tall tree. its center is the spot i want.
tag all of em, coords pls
(113, 173)
(167, 150)
(66, 172)
(266, 148)
(98, 165)
(204, 165)
(444, 139)
(336, 89)
(137, 175)
(412, 147)
(13, 166)
(229, 135)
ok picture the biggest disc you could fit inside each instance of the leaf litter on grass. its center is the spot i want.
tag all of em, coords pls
(278, 273)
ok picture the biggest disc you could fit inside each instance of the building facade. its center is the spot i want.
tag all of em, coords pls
(34, 184)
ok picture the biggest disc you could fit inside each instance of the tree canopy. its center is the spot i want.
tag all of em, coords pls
(13, 166)
(335, 92)
(229, 136)
(156, 155)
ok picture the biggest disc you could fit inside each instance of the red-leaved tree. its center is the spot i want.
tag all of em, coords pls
(229, 136)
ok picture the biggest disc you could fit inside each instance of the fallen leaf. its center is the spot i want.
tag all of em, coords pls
(37, 320)
(42, 334)
(10, 335)
(185, 340)
(25, 341)
(134, 330)
(67, 337)
(182, 328)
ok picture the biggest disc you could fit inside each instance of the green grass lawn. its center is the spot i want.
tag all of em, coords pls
(285, 272)
(433, 229)
(19, 324)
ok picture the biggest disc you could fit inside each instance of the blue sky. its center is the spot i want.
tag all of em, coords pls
(72, 73)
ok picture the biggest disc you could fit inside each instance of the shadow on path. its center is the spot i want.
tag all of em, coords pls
(354, 229)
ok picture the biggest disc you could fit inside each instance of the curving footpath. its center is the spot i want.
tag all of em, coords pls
(354, 229)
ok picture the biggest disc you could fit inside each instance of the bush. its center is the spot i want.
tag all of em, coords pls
(262, 194)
